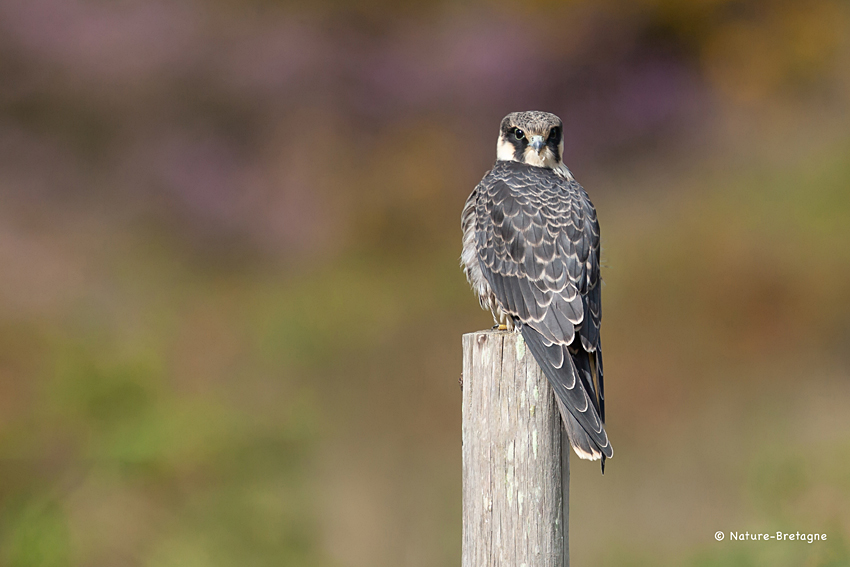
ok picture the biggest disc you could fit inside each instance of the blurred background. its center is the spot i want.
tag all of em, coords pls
(230, 300)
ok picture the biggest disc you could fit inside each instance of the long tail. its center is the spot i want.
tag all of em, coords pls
(584, 426)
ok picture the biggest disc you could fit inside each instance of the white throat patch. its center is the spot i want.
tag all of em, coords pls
(544, 159)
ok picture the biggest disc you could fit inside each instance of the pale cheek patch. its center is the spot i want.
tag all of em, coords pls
(504, 150)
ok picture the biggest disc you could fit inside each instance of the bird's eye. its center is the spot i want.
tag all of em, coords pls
(519, 134)
(554, 133)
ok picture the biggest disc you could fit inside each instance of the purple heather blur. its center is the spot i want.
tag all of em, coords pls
(231, 306)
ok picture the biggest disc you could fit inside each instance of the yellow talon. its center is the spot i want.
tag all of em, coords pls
(503, 327)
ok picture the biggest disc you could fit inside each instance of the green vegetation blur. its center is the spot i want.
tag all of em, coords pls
(230, 299)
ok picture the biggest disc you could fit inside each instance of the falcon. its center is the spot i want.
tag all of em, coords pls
(531, 253)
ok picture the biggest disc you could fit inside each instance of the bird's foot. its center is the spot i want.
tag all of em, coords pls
(500, 327)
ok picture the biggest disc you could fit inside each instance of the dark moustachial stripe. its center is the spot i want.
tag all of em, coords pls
(519, 150)
(552, 141)
(507, 133)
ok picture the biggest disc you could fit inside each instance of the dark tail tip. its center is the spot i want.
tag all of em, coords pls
(603, 464)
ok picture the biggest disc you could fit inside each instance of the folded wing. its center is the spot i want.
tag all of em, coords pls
(537, 239)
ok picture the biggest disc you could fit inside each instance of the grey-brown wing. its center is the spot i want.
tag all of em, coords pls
(538, 246)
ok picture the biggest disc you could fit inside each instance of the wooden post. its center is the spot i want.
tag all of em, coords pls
(516, 471)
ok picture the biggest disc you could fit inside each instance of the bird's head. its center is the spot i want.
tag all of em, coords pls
(533, 137)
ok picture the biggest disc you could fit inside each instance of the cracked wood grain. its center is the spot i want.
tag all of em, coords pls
(515, 458)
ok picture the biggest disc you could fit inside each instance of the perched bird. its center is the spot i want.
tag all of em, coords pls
(531, 253)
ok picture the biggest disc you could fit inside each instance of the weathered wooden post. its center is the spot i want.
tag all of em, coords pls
(516, 471)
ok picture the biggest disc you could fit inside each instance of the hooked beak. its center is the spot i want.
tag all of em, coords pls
(538, 143)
